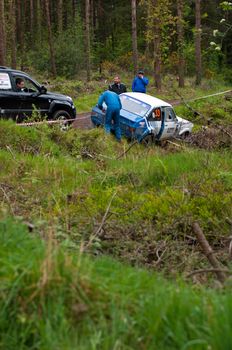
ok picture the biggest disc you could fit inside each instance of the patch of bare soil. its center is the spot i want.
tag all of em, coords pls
(83, 121)
(170, 251)
(211, 138)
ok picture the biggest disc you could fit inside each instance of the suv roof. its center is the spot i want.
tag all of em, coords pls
(12, 70)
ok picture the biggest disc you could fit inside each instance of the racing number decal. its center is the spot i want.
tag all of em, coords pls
(157, 114)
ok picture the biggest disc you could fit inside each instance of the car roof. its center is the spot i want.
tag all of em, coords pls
(151, 100)
(7, 69)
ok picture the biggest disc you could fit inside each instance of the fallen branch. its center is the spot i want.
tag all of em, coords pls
(208, 271)
(229, 221)
(159, 257)
(175, 144)
(230, 249)
(207, 250)
(102, 222)
(127, 150)
(105, 215)
(7, 199)
(223, 130)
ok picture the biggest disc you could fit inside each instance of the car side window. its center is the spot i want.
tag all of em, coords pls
(170, 114)
(23, 84)
(155, 115)
(5, 83)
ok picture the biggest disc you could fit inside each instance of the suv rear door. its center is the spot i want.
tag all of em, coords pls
(9, 106)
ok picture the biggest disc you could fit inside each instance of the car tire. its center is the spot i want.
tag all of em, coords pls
(148, 140)
(94, 125)
(184, 135)
(62, 116)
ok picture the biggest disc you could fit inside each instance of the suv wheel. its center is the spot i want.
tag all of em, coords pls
(62, 116)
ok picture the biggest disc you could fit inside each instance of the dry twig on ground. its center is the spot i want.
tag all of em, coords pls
(207, 250)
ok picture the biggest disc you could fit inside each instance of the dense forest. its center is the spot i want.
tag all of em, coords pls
(68, 38)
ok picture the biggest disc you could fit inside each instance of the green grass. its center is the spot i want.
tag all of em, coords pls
(157, 193)
(83, 195)
(84, 103)
(53, 300)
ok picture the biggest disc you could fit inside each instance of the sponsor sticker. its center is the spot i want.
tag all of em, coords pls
(5, 83)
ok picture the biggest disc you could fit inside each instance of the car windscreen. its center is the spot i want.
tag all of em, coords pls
(134, 106)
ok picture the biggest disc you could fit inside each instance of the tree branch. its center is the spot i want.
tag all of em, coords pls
(207, 250)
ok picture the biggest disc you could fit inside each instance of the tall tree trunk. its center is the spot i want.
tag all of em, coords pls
(32, 22)
(13, 32)
(50, 38)
(198, 42)
(38, 21)
(157, 57)
(87, 38)
(18, 22)
(147, 48)
(2, 35)
(180, 32)
(20, 32)
(60, 15)
(134, 35)
(157, 48)
(74, 8)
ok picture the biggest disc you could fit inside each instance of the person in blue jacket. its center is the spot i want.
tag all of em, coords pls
(140, 83)
(114, 105)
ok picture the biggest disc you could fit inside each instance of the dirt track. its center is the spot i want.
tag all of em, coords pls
(83, 121)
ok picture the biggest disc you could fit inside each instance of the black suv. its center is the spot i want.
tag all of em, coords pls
(20, 95)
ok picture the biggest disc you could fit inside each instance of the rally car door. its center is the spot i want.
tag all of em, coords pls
(170, 123)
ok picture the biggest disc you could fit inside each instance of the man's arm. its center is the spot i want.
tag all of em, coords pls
(101, 100)
(145, 81)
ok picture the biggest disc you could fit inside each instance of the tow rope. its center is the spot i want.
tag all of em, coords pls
(59, 121)
(202, 97)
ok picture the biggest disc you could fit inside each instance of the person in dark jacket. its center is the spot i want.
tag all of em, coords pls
(140, 83)
(117, 87)
(114, 105)
(20, 85)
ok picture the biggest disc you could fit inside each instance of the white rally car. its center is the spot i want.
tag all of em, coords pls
(146, 118)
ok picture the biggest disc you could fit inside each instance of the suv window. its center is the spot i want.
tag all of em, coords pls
(5, 83)
(29, 86)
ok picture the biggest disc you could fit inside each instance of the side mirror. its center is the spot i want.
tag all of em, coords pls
(43, 89)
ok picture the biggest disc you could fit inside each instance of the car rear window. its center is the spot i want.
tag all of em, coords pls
(134, 106)
(5, 83)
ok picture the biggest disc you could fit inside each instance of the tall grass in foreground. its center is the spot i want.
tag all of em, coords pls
(52, 300)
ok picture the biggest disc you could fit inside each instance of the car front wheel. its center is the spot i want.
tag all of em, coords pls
(62, 116)
(148, 140)
(184, 135)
